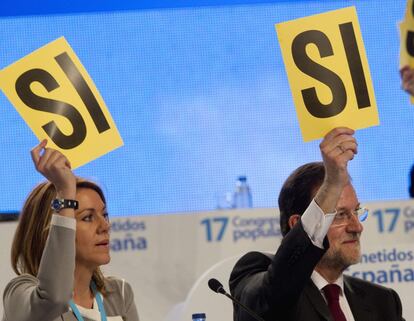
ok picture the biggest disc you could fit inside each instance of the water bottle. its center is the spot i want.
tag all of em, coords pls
(199, 317)
(242, 197)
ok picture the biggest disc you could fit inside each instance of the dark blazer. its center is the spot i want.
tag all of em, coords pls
(279, 288)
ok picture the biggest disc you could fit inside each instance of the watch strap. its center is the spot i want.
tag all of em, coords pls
(61, 203)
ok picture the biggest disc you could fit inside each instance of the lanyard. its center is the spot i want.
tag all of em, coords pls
(98, 300)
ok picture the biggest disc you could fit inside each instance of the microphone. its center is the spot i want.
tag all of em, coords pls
(217, 287)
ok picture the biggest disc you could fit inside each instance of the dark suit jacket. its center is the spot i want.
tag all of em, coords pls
(279, 288)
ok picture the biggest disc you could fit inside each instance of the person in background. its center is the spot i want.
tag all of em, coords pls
(411, 186)
(407, 84)
(407, 79)
(319, 219)
(61, 241)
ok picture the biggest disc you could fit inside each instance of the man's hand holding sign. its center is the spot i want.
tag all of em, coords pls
(56, 97)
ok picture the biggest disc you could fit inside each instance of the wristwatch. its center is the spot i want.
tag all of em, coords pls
(61, 203)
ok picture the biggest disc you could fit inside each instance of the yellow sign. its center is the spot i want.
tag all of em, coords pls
(57, 98)
(328, 72)
(409, 11)
(406, 59)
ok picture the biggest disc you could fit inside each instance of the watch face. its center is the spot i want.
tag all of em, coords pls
(57, 204)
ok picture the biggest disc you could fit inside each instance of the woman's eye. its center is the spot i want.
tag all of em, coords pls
(87, 218)
(106, 216)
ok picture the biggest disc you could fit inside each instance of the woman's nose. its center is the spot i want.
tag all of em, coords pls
(104, 224)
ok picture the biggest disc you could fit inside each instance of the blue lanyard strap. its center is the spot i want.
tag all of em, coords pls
(98, 299)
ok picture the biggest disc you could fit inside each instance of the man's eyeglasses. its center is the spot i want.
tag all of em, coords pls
(343, 217)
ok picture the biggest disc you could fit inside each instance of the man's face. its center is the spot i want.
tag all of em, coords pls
(344, 238)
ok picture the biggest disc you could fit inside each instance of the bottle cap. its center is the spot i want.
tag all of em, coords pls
(199, 316)
(242, 178)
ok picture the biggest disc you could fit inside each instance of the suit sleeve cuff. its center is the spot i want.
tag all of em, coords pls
(316, 223)
(63, 221)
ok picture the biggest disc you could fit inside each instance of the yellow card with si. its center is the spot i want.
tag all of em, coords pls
(328, 72)
(56, 97)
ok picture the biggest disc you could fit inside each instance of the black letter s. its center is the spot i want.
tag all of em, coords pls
(51, 106)
(319, 72)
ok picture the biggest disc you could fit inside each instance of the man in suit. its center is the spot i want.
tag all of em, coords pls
(319, 218)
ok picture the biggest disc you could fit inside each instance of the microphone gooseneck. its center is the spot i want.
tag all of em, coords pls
(217, 287)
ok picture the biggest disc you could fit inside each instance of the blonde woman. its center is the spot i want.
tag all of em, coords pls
(61, 241)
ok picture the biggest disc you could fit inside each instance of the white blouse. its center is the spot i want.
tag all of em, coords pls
(94, 313)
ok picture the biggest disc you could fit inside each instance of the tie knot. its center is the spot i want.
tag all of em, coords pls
(332, 292)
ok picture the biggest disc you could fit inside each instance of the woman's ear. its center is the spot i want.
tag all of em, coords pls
(293, 219)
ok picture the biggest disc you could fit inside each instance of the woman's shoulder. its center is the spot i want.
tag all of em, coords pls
(117, 285)
(119, 298)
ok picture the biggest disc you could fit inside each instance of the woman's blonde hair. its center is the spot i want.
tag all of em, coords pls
(33, 229)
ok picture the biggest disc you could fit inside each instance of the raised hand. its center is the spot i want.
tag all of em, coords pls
(55, 167)
(337, 149)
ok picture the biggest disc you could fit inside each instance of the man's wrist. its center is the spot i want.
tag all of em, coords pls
(327, 197)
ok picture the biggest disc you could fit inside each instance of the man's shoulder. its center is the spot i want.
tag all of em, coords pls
(255, 258)
(386, 301)
(357, 284)
(251, 263)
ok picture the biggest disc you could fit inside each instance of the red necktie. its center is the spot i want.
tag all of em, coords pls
(332, 296)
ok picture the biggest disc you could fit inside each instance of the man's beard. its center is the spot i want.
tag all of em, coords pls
(338, 259)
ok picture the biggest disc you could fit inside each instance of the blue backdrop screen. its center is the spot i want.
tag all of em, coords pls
(200, 96)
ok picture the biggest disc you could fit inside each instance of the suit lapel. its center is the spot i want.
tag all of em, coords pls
(317, 301)
(356, 299)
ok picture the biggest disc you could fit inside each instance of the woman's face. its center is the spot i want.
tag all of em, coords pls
(92, 229)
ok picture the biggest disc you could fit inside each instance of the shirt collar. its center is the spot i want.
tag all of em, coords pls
(320, 281)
